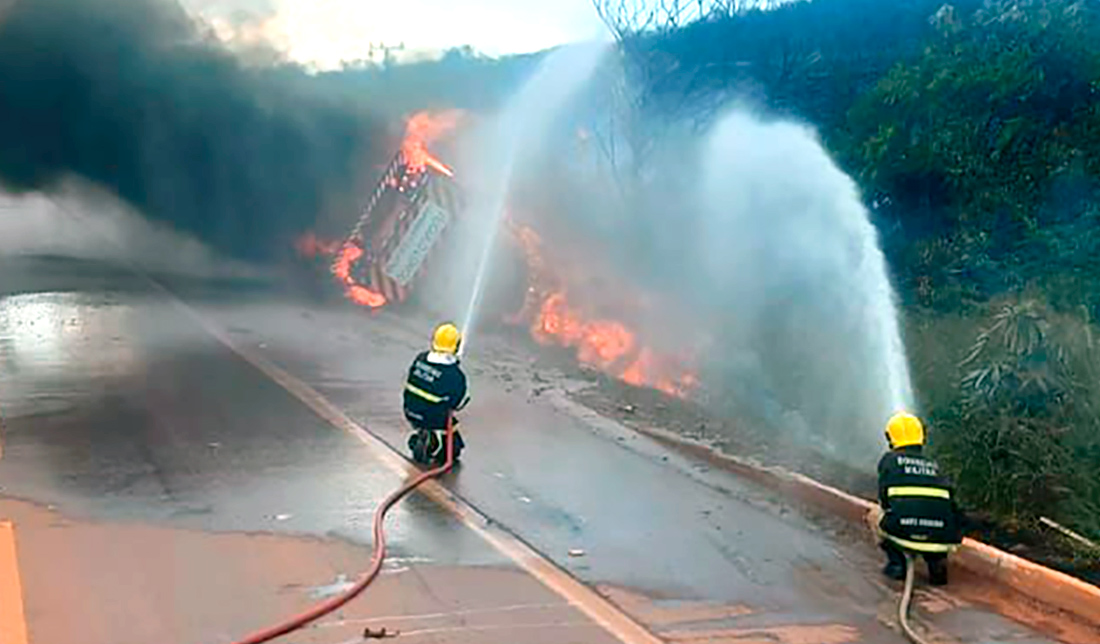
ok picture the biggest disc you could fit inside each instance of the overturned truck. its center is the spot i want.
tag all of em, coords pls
(384, 255)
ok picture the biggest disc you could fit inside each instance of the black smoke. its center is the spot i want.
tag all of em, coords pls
(138, 98)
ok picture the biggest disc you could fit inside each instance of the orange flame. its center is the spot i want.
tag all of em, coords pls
(608, 345)
(354, 291)
(310, 246)
(647, 370)
(600, 342)
(363, 296)
(341, 268)
(421, 129)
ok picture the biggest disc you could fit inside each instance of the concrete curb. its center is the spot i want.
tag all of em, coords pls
(1037, 582)
(1044, 585)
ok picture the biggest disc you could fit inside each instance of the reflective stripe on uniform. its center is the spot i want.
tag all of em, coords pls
(920, 546)
(432, 398)
(913, 490)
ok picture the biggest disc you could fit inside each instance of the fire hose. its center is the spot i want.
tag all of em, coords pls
(906, 598)
(379, 554)
(377, 557)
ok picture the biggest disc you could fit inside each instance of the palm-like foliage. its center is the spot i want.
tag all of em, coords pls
(1019, 436)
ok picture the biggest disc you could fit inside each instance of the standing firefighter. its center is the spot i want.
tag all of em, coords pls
(435, 389)
(919, 511)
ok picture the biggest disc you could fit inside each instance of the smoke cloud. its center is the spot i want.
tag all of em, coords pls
(138, 98)
(78, 222)
(741, 243)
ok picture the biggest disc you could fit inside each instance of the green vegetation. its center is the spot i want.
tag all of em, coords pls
(974, 129)
(988, 135)
(992, 138)
(1019, 431)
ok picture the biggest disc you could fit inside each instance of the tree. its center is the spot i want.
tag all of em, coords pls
(628, 18)
(988, 116)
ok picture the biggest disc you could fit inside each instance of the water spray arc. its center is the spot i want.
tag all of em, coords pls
(516, 132)
(789, 247)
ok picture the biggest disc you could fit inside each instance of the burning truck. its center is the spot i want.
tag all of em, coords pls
(417, 200)
(414, 202)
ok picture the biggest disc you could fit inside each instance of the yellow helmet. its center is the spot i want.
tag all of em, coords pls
(446, 338)
(903, 430)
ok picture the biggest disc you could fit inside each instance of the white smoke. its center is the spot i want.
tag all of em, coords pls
(81, 222)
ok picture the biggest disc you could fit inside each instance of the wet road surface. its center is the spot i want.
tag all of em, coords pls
(139, 449)
(161, 489)
(661, 532)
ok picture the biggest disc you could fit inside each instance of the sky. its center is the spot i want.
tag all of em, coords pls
(323, 33)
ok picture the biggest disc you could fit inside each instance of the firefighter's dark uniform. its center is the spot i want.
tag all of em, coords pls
(435, 387)
(919, 512)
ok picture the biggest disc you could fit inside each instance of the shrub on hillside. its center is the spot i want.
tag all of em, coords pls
(1021, 437)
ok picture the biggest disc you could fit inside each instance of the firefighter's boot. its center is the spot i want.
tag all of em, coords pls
(419, 445)
(937, 570)
(895, 561)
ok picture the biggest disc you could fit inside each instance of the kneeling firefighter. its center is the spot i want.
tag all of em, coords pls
(920, 516)
(435, 389)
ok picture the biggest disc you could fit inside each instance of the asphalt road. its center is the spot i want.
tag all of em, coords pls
(160, 487)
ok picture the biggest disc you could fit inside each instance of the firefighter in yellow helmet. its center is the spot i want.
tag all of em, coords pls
(435, 388)
(919, 511)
